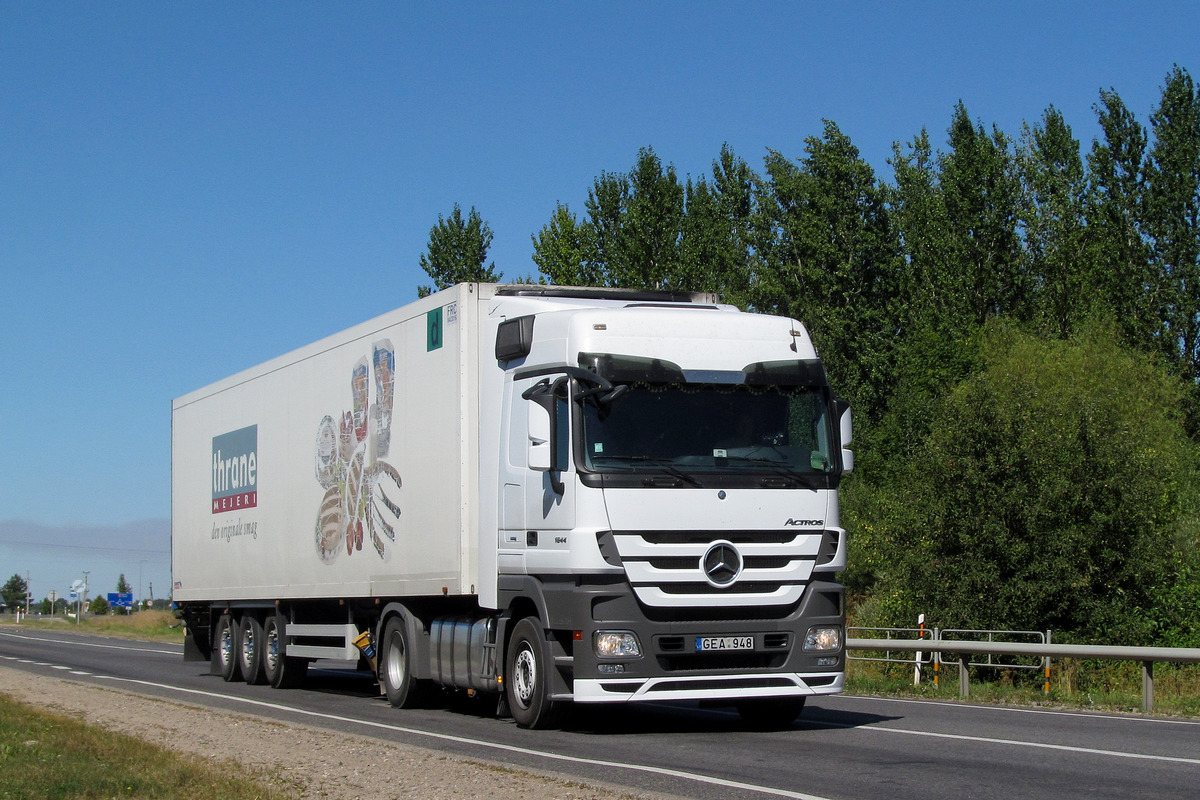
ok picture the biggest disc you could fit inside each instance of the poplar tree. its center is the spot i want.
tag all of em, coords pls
(1172, 201)
(1053, 217)
(836, 261)
(981, 195)
(653, 226)
(1118, 256)
(457, 251)
(565, 251)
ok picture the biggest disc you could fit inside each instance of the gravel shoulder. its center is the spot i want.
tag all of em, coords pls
(313, 763)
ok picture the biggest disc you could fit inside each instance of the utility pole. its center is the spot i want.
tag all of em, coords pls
(82, 599)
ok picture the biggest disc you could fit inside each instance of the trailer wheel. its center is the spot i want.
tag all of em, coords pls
(396, 655)
(250, 650)
(771, 715)
(225, 647)
(527, 677)
(281, 671)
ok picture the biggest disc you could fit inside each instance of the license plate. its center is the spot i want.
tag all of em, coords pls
(707, 643)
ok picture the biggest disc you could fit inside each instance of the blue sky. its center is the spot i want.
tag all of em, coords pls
(188, 189)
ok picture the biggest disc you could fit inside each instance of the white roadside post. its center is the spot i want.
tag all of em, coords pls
(917, 661)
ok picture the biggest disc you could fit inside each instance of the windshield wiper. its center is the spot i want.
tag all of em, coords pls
(669, 469)
(776, 467)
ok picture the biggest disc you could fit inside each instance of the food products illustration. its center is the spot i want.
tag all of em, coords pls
(362, 490)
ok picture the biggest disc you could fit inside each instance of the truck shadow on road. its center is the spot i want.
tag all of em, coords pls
(603, 720)
(692, 719)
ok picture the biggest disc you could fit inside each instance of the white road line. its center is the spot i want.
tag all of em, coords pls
(706, 779)
(94, 644)
(1016, 710)
(672, 773)
(1013, 742)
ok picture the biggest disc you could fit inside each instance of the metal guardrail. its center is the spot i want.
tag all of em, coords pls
(1148, 656)
(908, 634)
(933, 657)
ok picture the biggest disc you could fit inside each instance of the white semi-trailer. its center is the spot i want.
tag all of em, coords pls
(552, 494)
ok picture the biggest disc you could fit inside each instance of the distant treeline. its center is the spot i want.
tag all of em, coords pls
(1016, 322)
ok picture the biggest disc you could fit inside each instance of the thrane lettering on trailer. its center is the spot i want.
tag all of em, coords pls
(235, 470)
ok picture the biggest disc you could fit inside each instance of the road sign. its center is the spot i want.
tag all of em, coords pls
(122, 600)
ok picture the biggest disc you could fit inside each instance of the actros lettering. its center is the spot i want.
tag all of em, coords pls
(805, 523)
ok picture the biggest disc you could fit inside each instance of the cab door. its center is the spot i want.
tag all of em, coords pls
(537, 502)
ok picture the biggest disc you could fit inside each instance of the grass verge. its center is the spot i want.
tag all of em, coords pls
(155, 626)
(1074, 684)
(48, 755)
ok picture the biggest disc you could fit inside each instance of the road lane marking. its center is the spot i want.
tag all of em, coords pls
(706, 779)
(664, 771)
(93, 644)
(1013, 742)
(1013, 710)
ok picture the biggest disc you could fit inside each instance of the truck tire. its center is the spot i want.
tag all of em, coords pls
(771, 714)
(281, 671)
(250, 650)
(396, 656)
(225, 647)
(527, 677)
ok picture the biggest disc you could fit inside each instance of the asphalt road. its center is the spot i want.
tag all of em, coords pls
(841, 747)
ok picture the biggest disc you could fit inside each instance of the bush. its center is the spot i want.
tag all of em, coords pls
(1051, 492)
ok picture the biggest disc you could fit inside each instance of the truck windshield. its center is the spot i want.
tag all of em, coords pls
(700, 429)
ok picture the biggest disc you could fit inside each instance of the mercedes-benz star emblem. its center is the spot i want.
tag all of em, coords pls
(721, 564)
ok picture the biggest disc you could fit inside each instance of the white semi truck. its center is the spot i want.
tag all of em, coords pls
(551, 494)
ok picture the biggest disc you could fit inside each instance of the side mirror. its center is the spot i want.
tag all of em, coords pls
(541, 445)
(846, 432)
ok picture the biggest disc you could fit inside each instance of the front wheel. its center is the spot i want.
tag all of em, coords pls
(527, 677)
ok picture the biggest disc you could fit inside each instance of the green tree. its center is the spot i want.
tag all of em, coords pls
(981, 194)
(1172, 221)
(918, 211)
(1049, 494)
(457, 251)
(837, 264)
(936, 343)
(1118, 256)
(643, 229)
(123, 586)
(652, 226)
(738, 231)
(98, 606)
(706, 251)
(565, 251)
(1053, 216)
(14, 592)
(58, 607)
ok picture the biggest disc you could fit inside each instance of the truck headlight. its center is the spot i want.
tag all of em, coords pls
(617, 644)
(823, 639)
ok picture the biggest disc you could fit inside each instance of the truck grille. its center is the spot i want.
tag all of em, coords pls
(667, 569)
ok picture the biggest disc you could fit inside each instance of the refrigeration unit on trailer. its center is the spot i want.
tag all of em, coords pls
(548, 494)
